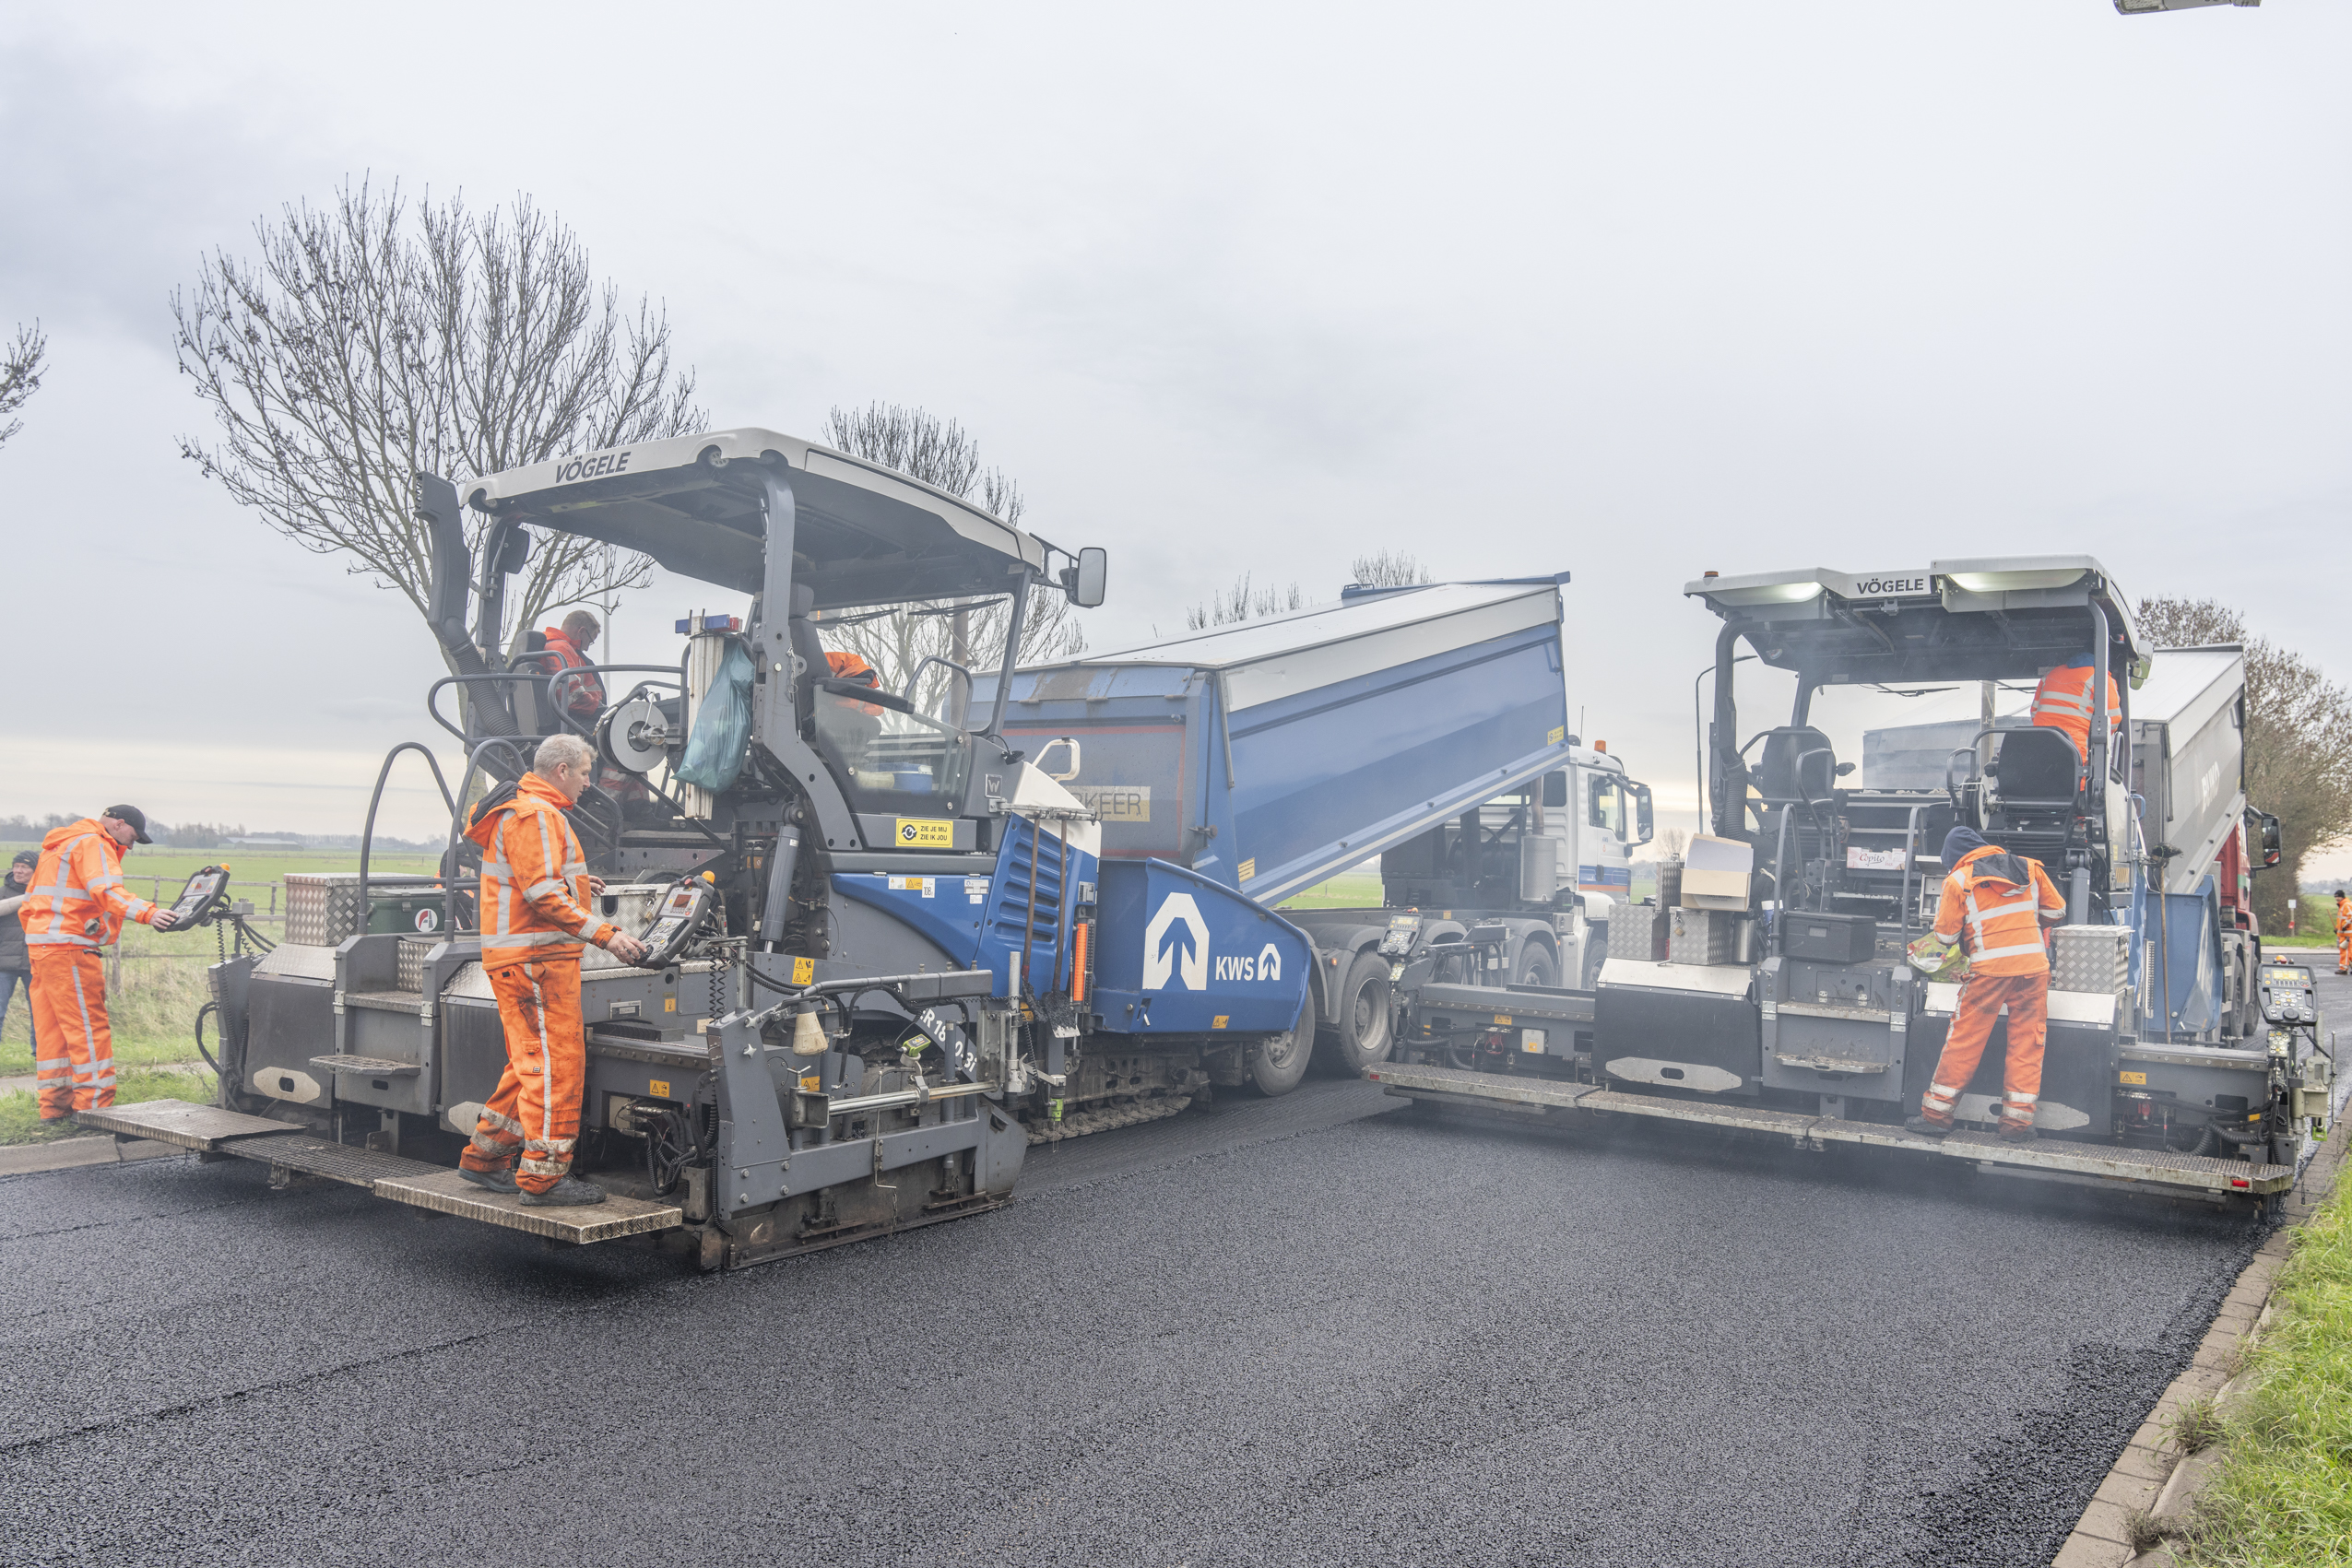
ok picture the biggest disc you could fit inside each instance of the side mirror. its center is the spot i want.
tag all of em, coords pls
(1645, 820)
(2272, 848)
(1556, 789)
(1084, 582)
(514, 549)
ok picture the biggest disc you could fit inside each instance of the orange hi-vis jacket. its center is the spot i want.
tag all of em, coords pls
(1996, 906)
(584, 695)
(77, 898)
(2062, 702)
(535, 879)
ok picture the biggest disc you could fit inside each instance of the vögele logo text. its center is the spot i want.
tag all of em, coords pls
(592, 467)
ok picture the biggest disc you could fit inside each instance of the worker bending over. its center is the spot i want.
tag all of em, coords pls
(534, 891)
(75, 905)
(2342, 933)
(1996, 903)
(2062, 702)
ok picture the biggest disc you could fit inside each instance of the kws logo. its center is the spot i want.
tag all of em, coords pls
(1176, 944)
(1267, 965)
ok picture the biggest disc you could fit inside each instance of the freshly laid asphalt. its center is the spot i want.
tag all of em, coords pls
(1303, 1331)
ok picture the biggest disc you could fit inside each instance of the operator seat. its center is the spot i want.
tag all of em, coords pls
(1798, 767)
(2030, 791)
(809, 649)
(2035, 768)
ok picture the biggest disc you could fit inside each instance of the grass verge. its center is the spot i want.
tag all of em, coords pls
(21, 1113)
(2283, 1496)
(159, 986)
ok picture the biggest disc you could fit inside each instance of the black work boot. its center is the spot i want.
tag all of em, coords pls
(566, 1191)
(2024, 1134)
(1927, 1129)
(500, 1180)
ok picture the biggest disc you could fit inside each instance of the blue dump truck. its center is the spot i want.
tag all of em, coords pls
(1775, 986)
(1422, 728)
(895, 941)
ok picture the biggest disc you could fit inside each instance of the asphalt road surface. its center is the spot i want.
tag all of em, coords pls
(1305, 1331)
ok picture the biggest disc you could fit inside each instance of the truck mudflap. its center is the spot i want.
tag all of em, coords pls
(2148, 1169)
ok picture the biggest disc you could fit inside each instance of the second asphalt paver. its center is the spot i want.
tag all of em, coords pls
(1300, 1331)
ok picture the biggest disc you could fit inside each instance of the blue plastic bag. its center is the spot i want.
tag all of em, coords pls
(722, 731)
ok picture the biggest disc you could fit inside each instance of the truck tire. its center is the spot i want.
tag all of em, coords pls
(1536, 967)
(1279, 1060)
(1358, 1034)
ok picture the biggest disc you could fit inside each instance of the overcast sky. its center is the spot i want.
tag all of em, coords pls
(1631, 291)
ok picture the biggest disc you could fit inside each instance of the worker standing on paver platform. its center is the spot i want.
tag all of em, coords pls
(76, 904)
(568, 646)
(1997, 904)
(2062, 702)
(2342, 933)
(535, 884)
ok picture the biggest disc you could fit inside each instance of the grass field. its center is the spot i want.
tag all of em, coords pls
(2283, 1498)
(158, 983)
(1349, 889)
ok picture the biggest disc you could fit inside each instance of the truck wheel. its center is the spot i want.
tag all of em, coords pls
(1279, 1061)
(1358, 1033)
(1535, 966)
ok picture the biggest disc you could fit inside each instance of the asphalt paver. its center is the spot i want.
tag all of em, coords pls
(1324, 1329)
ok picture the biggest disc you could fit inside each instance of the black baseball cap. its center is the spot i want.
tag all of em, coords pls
(135, 816)
(26, 858)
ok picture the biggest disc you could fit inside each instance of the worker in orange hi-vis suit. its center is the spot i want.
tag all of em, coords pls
(1996, 903)
(2062, 702)
(2342, 933)
(75, 905)
(534, 922)
(567, 647)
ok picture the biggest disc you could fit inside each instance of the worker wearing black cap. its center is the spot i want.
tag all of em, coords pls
(76, 905)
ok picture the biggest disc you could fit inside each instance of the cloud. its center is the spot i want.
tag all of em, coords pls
(112, 194)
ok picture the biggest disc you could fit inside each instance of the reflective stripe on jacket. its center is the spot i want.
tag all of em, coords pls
(77, 899)
(1997, 919)
(2062, 702)
(535, 879)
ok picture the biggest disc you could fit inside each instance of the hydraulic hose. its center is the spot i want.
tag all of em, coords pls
(209, 1059)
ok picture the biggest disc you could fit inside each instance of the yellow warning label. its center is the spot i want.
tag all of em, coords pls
(1503, 1019)
(658, 1089)
(1557, 734)
(812, 1083)
(1219, 1021)
(1248, 868)
(2132, 1077)
(669, 1004)
(804, 972)
(926, 832)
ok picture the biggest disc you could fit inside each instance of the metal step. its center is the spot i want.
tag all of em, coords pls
(410, 1002)
(314, 1156)
(2151, 1168)
(205, 1127)
(367, 1066)
(445, 1192)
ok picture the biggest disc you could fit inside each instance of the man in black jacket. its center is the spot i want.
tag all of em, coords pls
(16, 963)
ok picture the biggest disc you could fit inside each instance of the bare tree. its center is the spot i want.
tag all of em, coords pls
(2299, 739)
(21, 365)
(1241, 602)
(1389, 568)
(362, 346)
(946, 457)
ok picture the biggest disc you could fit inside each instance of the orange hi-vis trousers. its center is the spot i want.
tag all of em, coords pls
(1981, 999)
(75, 1062)
(535, 1110)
